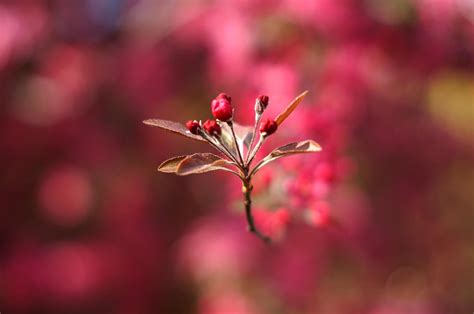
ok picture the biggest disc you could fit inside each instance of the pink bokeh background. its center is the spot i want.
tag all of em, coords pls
(379, 222)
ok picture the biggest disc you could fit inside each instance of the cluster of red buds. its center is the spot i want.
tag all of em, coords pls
(235, 142)
(223, 111)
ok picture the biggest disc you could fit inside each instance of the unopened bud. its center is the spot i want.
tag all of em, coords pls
(212, 127)
(268, 126)
(193, 126)
(224, 96)
(222, 109)
(261, 104)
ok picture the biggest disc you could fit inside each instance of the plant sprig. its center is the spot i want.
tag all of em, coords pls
(236, 143)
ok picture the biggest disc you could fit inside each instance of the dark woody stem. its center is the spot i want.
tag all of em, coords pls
(247, 190)
(231, 125)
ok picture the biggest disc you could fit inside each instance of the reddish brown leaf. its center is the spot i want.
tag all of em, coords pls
(291, 107)
(174, 127)
(171, 165)
(302, 147)
(244, 135)
(307, 146)
(202, 162)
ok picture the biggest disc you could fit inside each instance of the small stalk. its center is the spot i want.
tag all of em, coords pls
(219, 146)
(255, 127)
(231, 125)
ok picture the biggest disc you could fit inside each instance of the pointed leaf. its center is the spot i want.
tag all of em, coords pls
(171, 165)
(302, 147)
(202, 162)
(307, 146)
(244, 135)
(227, 139)
(292, 106)
(174, 127)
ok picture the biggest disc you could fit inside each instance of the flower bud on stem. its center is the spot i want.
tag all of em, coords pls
(261, 103)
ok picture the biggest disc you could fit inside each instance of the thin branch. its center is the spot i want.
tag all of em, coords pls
(246, 190)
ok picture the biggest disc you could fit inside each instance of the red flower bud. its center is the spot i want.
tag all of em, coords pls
(212, 127)
(222, 109)
(193, 126)
(268, 127)
(261, 104)
(224, 96)
(263, 100)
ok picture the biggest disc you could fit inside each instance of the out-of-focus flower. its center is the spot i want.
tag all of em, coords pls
(209, 239)
(318, 215)
(22, 29)
(229, 302)
(273, 223)
(65, 196)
